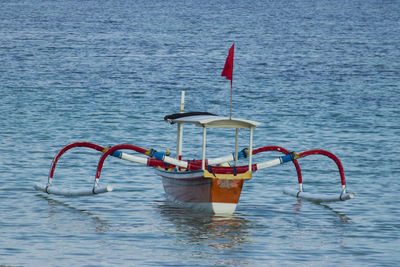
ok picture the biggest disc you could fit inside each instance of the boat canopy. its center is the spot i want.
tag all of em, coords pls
(209, 120)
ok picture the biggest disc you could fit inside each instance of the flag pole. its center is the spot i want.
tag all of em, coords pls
(230, 109)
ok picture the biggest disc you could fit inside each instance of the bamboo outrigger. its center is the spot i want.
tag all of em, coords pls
(211, 185)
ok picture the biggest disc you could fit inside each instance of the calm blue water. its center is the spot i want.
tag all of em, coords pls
(317, 74)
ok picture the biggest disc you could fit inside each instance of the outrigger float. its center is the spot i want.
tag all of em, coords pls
(207, 184)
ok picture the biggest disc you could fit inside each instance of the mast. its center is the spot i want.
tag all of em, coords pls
(230, 108)
(180, 130)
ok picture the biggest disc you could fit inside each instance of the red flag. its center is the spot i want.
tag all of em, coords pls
(228, 68)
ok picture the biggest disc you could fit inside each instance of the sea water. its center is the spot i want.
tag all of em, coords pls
(316, 74)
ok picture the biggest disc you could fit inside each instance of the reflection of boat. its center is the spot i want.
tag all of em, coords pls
(209, 184)
(216, 231)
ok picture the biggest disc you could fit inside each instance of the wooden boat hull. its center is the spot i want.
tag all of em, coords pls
(193, 190)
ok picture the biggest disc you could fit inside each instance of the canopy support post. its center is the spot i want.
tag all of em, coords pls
(179, 142)
(236, 146)
(251, 147)
(203, 162)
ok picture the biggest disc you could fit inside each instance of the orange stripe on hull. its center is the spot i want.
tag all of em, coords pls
(226, 190)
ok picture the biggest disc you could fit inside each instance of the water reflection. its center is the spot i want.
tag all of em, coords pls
(217, 232)
(298, 207)
(57, 212)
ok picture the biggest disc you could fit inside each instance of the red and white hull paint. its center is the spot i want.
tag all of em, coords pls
(191, 189)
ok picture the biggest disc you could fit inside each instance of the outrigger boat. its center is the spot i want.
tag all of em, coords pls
(207, 184)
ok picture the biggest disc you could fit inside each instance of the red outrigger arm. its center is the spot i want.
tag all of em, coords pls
(284, 151)
(330, 155)
(65, 149)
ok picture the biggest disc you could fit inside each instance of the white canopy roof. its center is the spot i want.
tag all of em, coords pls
(216, 121)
